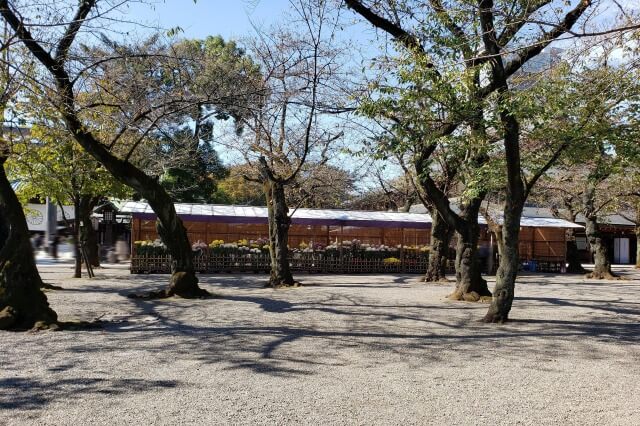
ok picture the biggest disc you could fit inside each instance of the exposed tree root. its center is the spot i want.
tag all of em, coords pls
(603, 276)
(472, 296)
(46, 286)
(183, 284)
(63, 326)
(81, 325)
(10, 320)
(494, 319)
(166, 293)
(281, 284)
(442, 280)
(476, 291)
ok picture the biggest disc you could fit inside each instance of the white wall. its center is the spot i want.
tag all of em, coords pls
(36, 215)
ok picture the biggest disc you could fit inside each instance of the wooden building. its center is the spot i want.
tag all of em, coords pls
(618, 234)
(233, 223)
(396, 241)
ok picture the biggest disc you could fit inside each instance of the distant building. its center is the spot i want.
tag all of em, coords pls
(618, 234)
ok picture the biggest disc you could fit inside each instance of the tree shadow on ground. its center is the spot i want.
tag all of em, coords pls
(30, 394)
(611, 306)
(290, 333)
(287, 345)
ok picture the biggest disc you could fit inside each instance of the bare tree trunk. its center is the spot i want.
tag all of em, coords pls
(89, 237)
(573, 255)
(23, 305)
(171, 230)
(638, 244)
(77, 273)
(504, 290)
(637, 236)
(470, 285)
(439, 248)
(516, 195)
(602, 267)
(279, 223)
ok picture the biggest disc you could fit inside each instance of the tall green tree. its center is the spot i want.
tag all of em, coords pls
(23, 305)
(462, 56)
(113, 103)
(592, 179)
(196, 179)
(50, 163)
(289, 130)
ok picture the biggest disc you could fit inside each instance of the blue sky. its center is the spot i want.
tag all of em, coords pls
(231, 19)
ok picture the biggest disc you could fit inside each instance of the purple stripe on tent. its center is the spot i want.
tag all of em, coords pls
(294, 220)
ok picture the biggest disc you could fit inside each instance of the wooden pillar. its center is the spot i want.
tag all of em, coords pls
(533, 243)
(564, 251)
(340, 249)
(402, 265)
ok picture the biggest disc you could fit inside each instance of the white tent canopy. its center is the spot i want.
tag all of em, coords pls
(209, 212)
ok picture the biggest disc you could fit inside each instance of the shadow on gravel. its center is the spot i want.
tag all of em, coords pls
(292, 346)
(30, 394)
(259, 331)
(612, 306)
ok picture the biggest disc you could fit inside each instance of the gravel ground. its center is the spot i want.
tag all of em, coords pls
(362, 349)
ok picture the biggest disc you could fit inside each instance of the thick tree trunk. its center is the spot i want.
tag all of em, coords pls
(602, 265)
(279, 223)
(516, 195)
(171, 230)
(439, 248)
(470, 286)
(637, 236)
(573, 255)
(76, 240)
(504, 290)
(23, 305)
(638, 243)
(89, 237)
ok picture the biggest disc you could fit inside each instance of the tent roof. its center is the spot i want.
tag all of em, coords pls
(543, 222)
(252, 214)
(535, 218)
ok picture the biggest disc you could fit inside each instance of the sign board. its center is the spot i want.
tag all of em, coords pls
(36, 216)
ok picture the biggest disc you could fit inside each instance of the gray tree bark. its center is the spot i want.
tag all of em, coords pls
(279, 223)
(573, 255)
(23, 305)
(89, 236)
(439, 248)
(183, 281)
(602, 265)
(470, 286)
